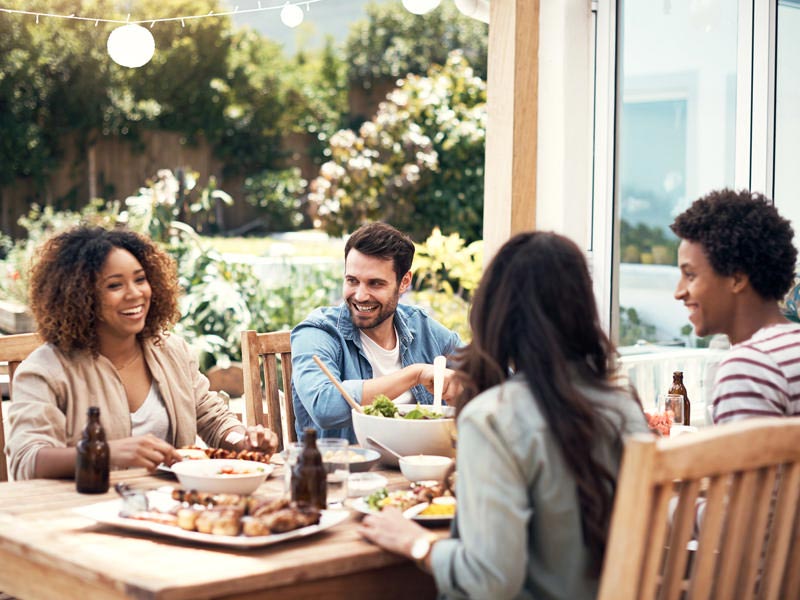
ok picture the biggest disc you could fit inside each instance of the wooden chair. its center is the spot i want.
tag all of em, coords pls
(265, 349)
(13, 350)
(747, 543)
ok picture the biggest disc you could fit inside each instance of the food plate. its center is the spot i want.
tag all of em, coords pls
(107, 513)
(360, 505)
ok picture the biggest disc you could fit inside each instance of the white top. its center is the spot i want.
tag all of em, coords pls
(151, 417)
(385, 362)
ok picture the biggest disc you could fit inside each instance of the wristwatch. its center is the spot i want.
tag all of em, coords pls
(421, 548)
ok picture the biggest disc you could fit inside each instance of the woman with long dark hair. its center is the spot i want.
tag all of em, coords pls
(540, 429)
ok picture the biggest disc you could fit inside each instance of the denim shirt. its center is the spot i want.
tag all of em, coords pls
(330, 334)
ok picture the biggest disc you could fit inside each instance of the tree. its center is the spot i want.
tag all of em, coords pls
(417, 163)
(392, 42)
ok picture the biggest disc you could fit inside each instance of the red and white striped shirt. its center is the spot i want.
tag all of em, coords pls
(760, 377)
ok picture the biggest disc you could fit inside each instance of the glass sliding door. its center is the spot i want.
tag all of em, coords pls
(787, 113)
(676, 134)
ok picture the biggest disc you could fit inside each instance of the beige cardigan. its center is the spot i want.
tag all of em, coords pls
(52, 392)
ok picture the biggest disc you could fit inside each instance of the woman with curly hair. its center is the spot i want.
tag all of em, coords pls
(737, 262)
(103, 301)
(540, 426)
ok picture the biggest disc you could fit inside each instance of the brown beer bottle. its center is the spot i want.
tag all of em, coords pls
(679, 388)
(92, 462)
(309, 480)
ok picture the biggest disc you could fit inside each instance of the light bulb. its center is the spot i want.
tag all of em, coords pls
(291, 15)
(420, 7)
(131, 45)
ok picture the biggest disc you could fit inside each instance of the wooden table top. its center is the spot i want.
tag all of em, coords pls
(47, 550)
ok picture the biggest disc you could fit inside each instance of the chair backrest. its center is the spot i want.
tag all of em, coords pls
(264, 349)
(13, 350)
(712, 514)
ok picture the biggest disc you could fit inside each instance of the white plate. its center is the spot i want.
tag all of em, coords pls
(360, 505)
(107, 513)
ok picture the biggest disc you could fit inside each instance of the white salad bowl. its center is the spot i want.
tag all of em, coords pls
(221, 475)
(405, 436)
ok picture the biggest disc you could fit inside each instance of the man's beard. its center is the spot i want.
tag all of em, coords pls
(384, 313)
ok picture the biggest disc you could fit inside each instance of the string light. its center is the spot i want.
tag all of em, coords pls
(420, 7)
(133, 46)
(291, 15)
(161, 20)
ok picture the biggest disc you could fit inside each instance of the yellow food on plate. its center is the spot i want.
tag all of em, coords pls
(439, 510)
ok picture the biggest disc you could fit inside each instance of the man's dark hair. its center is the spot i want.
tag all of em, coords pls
(742, 232)
(385, 242)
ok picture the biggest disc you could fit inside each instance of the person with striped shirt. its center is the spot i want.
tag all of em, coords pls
(737, 261)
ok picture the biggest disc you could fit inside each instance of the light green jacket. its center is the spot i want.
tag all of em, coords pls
(518, 513)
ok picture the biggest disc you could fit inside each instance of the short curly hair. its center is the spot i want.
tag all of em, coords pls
(742, 232)
(64, 294)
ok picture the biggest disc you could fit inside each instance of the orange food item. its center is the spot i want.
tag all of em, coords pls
(660, 422)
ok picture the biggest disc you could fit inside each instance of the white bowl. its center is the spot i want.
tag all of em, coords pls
(405, 436)
(243, 477)
(421, 467)
(364, 484)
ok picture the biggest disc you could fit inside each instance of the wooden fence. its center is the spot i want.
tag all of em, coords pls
(115, 168)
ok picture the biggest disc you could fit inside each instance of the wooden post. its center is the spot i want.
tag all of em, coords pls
(511, 137)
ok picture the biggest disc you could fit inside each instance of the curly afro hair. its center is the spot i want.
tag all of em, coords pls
(64, 291)
(742, 232)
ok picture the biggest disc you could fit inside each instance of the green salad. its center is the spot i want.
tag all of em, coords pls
(382, 406)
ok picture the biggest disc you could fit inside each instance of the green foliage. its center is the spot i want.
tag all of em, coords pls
(446, 272)
(41, 223)
(692, 341)
(392, 42)
(647, 245)
(54, 78)
(278, 194)
(418, 162)
(209, 81)
(632, 329)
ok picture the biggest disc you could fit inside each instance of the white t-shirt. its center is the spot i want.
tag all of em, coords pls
(385, 362)
(151, 416)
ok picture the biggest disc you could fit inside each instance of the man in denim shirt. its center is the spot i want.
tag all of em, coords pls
(372, 344)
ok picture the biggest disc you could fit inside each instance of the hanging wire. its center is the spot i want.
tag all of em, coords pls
(152, 22)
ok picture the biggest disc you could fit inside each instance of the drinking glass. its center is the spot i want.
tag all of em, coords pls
(335, 459)
(674, 403)
(290, 454)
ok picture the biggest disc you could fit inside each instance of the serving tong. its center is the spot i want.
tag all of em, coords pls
(133, 501)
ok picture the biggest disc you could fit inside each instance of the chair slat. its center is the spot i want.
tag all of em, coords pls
(654, 552)
(261, 353)
(704, 565)
(755, 549)
(681, 532)
(13, 350)
(784, 540)
(737, 531)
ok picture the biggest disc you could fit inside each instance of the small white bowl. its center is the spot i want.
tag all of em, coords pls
(420, 467)
(364, 484)
(221, 475)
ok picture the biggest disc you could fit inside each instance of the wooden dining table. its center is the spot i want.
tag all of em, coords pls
(47, 550)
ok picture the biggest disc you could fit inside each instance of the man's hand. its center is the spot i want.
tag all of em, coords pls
(451, 389)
